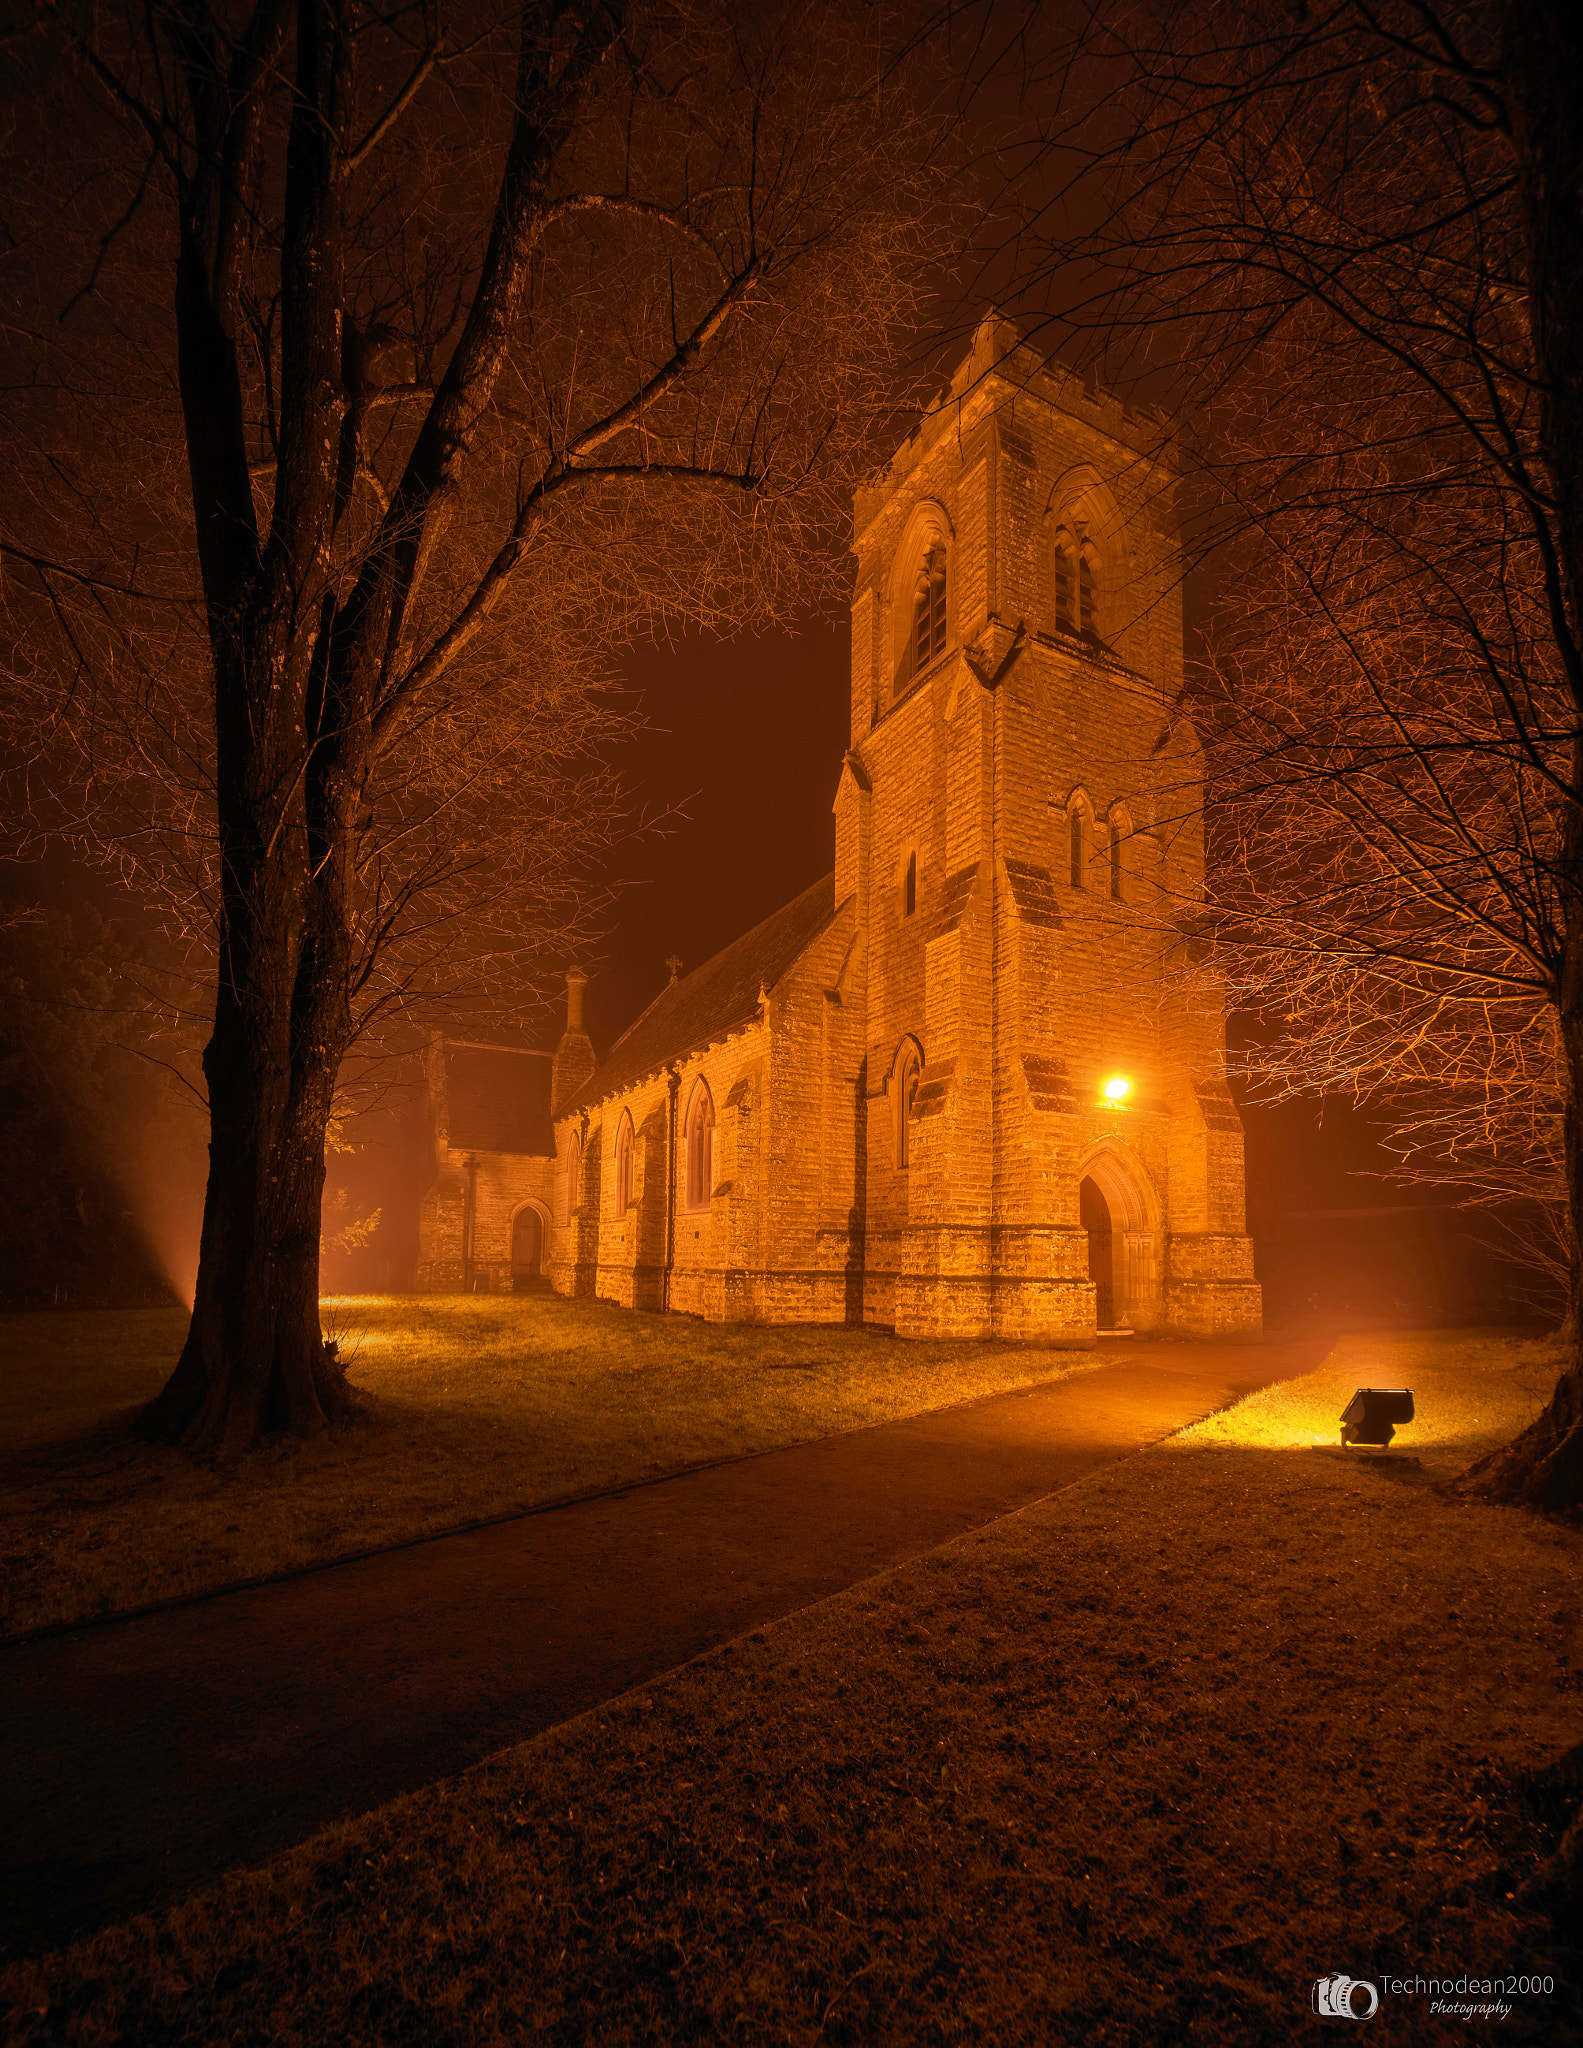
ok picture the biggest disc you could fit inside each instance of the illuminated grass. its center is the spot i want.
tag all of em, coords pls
(1472, 1390)
(1134, 1766)
(480, 1405)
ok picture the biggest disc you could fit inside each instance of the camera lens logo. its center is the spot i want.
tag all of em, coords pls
(1344, 1998)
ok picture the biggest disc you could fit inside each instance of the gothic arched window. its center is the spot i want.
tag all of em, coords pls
(700, 1148)
(928, 610)
(1065, 618)
(1088, 595)
(1078, 828)
(1120, 833)
(904, 1086)
(909, 887)
(624, 1166)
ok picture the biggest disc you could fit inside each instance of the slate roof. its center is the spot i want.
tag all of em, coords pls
(714, 999)
(498, 1100)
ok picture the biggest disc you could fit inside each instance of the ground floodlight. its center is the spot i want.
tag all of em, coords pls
(1117, 1089)
(1370, 1417)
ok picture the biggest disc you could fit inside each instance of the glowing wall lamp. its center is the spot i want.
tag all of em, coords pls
(1370, 1417)
(1116, 1090)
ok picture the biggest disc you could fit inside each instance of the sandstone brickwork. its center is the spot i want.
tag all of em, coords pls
(973, 1083)
(494, 1160)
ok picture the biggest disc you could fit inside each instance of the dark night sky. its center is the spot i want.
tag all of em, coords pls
(747, 737)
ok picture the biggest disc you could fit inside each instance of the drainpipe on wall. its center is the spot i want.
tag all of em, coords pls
(577, 1218)
(673, 1084)
(469, 1222)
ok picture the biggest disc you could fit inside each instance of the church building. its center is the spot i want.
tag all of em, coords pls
(972, 1083)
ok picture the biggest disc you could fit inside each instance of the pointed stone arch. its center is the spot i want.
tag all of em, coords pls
(698, 1130)
(1078, 852)
(1126, 1266)
(528, 1238)
(905, 884)
(1119, 831)
(901, 1085)
(927, 551)
(625, 1150)
(1086, 545)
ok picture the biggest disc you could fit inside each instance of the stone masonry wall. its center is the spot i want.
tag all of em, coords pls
(503, 1183)
(1027, 993)
(1024, 989)
(774, 1242)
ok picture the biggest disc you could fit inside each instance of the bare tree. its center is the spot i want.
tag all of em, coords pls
(1348, 243)
(494, 337)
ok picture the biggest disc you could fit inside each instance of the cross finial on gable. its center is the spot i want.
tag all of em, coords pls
(674, 963)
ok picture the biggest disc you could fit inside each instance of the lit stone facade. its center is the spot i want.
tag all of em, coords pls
(896, 1086)
(484, 1225)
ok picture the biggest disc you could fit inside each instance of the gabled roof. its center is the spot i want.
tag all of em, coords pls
(715, 999)
(498, 1100)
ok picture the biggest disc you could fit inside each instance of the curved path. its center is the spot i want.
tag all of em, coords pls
(145, 1756)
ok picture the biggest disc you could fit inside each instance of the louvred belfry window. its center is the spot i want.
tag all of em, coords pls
(1063, 585)
(1087, 597)
(929, 609)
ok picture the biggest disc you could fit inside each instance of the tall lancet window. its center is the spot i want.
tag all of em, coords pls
(928, 615)
(1078, 850)
(700, 1149)
(624, 1166)
(905, 1076)
(1087, 595)
(1064, 616)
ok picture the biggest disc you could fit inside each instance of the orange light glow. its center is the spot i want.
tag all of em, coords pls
(1117, 1089)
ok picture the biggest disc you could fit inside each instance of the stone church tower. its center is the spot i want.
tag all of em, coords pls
(1019, 819)
(973, 1084)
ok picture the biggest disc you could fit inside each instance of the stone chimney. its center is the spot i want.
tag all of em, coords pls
(574, 1060)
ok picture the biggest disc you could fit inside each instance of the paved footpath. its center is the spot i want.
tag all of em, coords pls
(145, 1756)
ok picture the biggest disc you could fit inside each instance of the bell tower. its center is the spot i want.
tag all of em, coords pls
(1051, 1148)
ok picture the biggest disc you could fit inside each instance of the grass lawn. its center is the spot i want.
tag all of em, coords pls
(480, 1405)
(1136, 1765)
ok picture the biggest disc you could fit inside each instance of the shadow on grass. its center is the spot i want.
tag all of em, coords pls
(479, 1408)
(1139, 1763)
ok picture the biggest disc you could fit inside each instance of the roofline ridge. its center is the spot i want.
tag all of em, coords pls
(531, 1052)
(617, 1043)
(593, 1093)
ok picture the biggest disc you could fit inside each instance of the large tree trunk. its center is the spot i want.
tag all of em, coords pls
(1543, 1467)
(290, 761)
(255, 1359)
(1544, 102)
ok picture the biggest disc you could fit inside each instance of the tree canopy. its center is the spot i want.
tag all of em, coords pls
(376, 372)
(1348, 245)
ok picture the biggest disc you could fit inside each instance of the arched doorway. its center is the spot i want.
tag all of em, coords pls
(1118, 1210)
(527, 1250)
(1094, 1212)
